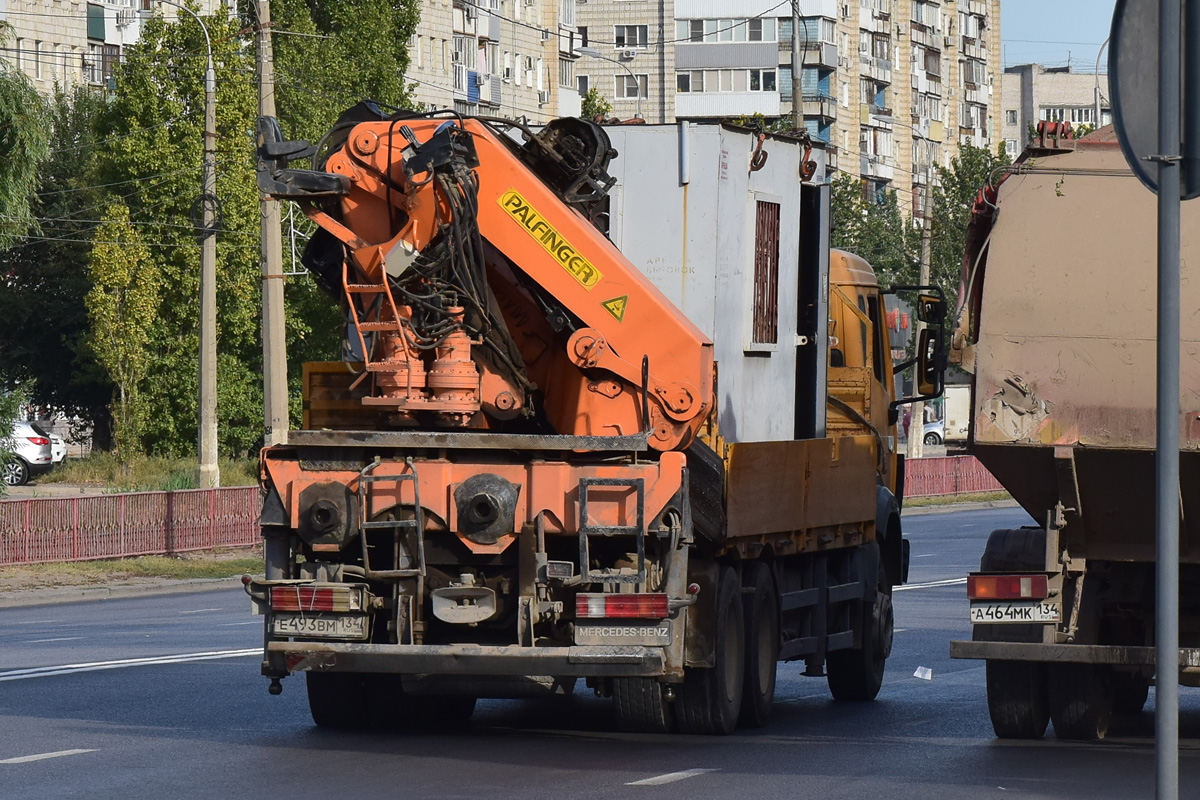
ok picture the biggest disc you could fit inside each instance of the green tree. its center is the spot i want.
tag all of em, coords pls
(595, 105)
(24, 145)
(874, 229)
(953, 198)
(123, 304)
(43, 318)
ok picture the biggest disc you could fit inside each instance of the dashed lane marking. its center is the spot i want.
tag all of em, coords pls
(58, 639)
(201, 610)
(930, 584)
(44, 756)
(96, 666)
(670, 777)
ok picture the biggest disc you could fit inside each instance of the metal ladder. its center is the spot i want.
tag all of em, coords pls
(587, 530)
(365, 480)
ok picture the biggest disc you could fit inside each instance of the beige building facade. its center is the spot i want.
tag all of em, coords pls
(629, 56)
(511, 58)
(1033, 93)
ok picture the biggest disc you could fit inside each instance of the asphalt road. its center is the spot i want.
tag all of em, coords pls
(160, 697)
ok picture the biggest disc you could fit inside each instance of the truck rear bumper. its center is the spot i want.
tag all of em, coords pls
(467, 659)
(1189, 657)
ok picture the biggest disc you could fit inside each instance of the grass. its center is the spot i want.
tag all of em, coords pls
(191, 566)
(146, 473)
(952, 499)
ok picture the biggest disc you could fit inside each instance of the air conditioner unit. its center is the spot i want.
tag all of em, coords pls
(531, 2)
(480, 79)
(125, 17)
(628, 55)
(508, 73)
(469, 12)
(947, 40)
(543, 97)
(546, 35)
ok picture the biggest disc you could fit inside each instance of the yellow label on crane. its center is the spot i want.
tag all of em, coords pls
(616, 307)
(551, 240)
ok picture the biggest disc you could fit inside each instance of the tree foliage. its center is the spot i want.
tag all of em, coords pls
(875, 230)
(24, 145)
(594, 104)
(953, 198)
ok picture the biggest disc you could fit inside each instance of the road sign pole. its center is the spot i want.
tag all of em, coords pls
(1166, 505)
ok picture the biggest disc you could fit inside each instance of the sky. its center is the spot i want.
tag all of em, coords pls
(1030, 31)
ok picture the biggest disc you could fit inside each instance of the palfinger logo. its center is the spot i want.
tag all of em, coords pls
(554, 243)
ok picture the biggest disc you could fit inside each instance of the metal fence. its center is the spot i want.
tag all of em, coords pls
(933, 477)
(40, 530)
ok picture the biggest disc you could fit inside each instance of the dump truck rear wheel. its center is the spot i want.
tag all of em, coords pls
(857, 674)
(1017, 702)
(339, 699)
(762, 644)
(641, 707)
(1081, 700)
(1014, 550)
(1130, 692)
(436, 712)
(710, 699)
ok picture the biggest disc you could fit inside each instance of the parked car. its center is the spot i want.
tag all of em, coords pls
(58, 449)
(935, 432)
(29, 454)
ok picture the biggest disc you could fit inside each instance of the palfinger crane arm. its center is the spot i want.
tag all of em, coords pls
(480, 292)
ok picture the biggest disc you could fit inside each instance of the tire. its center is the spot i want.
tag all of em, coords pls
(857, 674)
(1017, 699)
(932, 438)
(1081, 700)
(641, 707)
(1015, 550)
(762, 645)
(16, 472)
(1130, 692)
(339, 699)
(436, 712)
(710, 699)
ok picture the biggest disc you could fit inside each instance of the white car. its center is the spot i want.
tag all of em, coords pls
(29, 454)
(58, 449)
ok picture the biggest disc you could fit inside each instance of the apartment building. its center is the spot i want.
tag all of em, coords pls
(72, 42)
(512, 58)
(629, 56)
(1032, 93)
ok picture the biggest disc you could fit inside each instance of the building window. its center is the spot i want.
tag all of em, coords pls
(39, 55)
(693, 81)
(762, 80)
(1010, 147)
(762, 30)
(583, 40)
(1010, 117)
(566, 72)
(766, 274)
(581, 83)
(627, 87)
(631, 35)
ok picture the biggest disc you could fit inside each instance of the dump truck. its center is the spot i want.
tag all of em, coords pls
(1057, 327)
(531, 467)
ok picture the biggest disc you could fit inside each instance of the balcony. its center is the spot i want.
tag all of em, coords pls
(700, 105)
(878, 68)
(820, 106)
(460, 80)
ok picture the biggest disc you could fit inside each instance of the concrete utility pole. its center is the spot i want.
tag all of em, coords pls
(275, 382)
(916, 424)
(797, 70)
(207, 472)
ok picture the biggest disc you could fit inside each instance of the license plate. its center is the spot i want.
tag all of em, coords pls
(319, 625)
(1016, 612)
(654, 634)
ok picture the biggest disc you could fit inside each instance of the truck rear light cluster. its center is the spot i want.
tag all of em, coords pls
(624, 606)
(313, 598)
(1007, 587)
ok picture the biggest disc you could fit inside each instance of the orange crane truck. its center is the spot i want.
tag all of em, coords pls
(517, 476)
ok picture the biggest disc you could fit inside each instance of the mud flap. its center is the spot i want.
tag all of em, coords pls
(700, 633)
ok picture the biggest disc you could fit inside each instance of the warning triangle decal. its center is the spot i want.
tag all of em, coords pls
(616, 307)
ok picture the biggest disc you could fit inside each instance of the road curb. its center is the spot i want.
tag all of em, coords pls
(917, 511)
(81, 594)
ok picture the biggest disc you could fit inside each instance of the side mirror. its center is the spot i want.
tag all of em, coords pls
(931, 309)
(931, 362)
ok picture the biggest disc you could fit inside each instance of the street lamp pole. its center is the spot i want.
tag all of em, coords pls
(594, 53)
(208, 472)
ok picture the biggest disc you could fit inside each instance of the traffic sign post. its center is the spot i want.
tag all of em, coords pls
(1156, 113)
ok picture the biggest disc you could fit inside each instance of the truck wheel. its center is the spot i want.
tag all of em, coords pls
(1014, 550)
(1081, 700)
(857, 674)
(339, 699)
(1016, 695)
(762, 644)
(641, 707)
(1130, 692)
(710, 699)
(435, 712)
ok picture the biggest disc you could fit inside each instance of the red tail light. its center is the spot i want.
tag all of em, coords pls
(1007, 587)
(625, 606)
(311, 598)
(38, 440)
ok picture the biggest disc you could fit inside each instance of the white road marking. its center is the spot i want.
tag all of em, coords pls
(44, 756)
(931, 584)
(201, 611)
(231, 624)
(59, 639)
(96, 666)
(925, 555)
(670, 777)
